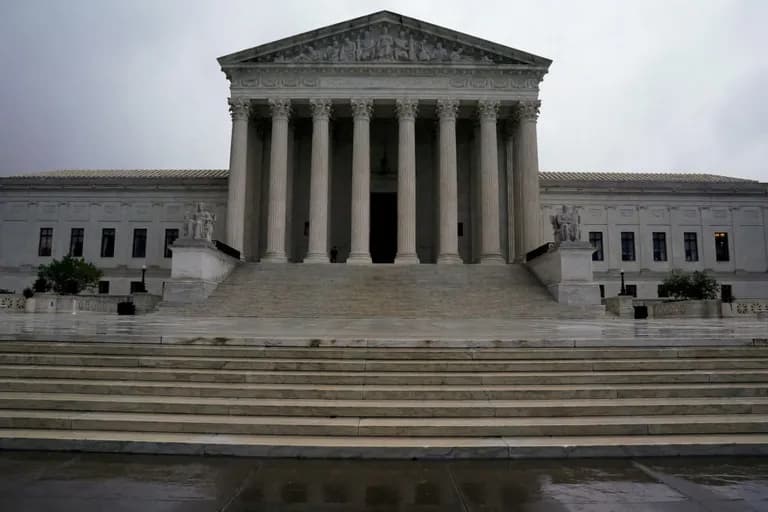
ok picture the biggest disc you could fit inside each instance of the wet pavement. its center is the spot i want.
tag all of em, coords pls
(50, 482)
(161, 327)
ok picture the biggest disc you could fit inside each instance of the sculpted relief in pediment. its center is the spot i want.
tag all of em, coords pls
(383, 43)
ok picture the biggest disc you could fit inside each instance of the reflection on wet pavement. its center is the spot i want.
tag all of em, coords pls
(37, 481)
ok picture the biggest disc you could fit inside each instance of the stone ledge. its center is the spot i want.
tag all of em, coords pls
(384, 447)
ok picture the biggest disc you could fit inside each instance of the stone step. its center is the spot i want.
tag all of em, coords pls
(390, 427)
(392, 353)
(383, 291)
(406, 366)
(374, 392)
(386, 378)
(382, 408)
(384, 447)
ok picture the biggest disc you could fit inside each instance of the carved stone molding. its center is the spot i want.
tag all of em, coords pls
(528, 110)
(239, 108)
(362, 108)
(321, 108)
(488, 110)
(280, 108)
(447, 109)
(406, 108)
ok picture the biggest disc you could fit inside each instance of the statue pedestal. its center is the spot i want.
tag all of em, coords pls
(197, 268)
(566, 271)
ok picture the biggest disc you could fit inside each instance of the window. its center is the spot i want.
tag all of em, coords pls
(691, 246)
(306, 228)
(137, 287)
(659, 246)
(631, 289)
(103, 287)
(170, 236)
(627, 246)
(726, 293)
(596, 239)
(45, 246)
(108, 243)
(602, 291)
(661, 291)
(76, 238)
(460, 229)
(721, 246)
(139, 243)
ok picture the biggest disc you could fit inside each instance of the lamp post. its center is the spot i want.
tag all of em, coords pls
(623, 288)
(144, 273)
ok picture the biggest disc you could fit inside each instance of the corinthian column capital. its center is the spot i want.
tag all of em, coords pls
(406, 108)
(239, 108)
(528, 110)
(321, 108)
(280, 107)
(488, 109)
(362, 108)
(447, 109)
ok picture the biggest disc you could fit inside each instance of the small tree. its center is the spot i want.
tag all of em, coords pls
(41, 285)
(693, 286)
(70, 275)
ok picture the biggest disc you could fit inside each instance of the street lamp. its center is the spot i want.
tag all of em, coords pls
(623, 288)
(144, 273)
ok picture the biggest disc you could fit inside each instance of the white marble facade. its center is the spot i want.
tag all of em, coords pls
(389, 139)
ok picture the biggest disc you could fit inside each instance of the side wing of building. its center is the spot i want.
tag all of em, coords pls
(648, 225)
(119, 221)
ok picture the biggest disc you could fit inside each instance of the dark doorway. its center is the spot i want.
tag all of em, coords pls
(383, 241)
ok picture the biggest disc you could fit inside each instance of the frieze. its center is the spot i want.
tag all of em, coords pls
(383, 43)
(431, 80)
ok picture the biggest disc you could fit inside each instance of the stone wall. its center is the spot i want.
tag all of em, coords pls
(52, 303)
(12, 301)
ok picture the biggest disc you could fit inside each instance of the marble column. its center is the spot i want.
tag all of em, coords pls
(490, 241)
(529, 207)
(278, 181)
(406, 181)
(362, 108)
(239, 108)
(513, 185)
(318, 194)
(448, 187)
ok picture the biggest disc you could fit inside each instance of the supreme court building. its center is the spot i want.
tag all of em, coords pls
(386, 139)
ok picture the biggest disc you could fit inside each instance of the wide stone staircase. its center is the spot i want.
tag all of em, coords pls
(419, 399)
(383, 291)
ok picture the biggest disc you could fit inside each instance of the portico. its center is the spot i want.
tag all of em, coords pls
(419, 147)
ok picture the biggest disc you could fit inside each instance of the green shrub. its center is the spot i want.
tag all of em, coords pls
(693, 286)
(41, 285)
(68, 276)
(28, 293)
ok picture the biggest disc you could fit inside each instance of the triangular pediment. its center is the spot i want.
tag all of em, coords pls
(384, 38)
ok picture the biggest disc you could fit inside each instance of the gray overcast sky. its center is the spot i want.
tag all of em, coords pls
(642, 85)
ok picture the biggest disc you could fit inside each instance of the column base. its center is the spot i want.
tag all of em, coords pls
(492, 259)
(274, 258)
(407, 259)
(449, 259)
(317, 258)
(359, 259)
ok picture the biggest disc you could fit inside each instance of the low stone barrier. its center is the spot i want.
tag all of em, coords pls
(52, 303)
(745, 308)
(685, 309)
(12, 301)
